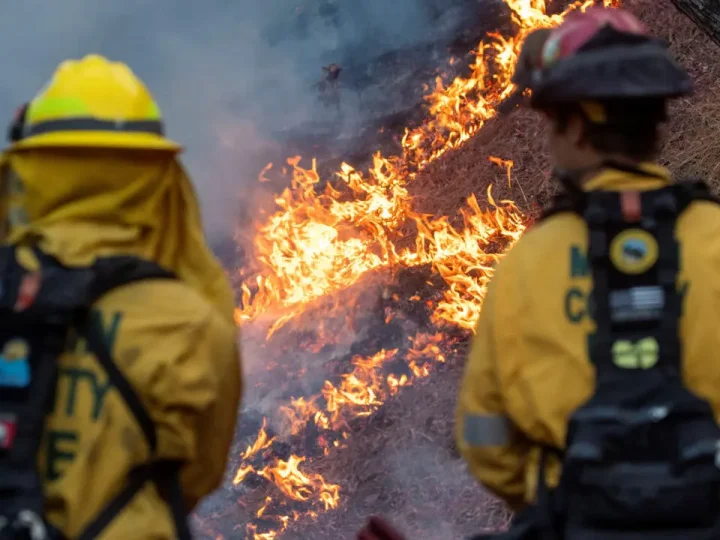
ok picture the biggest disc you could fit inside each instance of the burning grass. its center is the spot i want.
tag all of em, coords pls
(692, 137)
(358, 290)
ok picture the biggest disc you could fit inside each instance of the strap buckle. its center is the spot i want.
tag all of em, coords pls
(8, 430)
(29, 288)
(631, 206)
(26, 525)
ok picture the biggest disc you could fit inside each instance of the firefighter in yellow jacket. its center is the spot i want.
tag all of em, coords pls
(89, 175)
(528, 368)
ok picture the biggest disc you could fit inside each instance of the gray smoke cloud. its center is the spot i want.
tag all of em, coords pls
(228, 75)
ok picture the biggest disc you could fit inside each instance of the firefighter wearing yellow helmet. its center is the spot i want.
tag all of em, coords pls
(106, 275)
(590, 398)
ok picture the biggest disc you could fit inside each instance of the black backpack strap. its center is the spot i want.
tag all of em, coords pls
(39, 309)
(691, 190)
(625, 304)
(97, 345)
(617, 308)
(545, 501)
(664, 211)
(110, 273)
(135, 482)
(630, 301)
(25, 401)
(564, 201)
(167, 480)
(597, 219)
(164, 474)
(572, 199)
(687, 192)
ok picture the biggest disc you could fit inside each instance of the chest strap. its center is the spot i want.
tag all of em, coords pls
(112, 273)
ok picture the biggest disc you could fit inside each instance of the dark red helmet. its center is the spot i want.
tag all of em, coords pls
(603, 54)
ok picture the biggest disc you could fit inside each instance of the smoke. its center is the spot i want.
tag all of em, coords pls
(228, 75)
(430, 474)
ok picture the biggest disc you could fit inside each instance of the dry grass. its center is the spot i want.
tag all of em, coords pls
(692, 137)
(402, 463)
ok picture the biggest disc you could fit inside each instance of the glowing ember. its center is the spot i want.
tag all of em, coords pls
(325, 236)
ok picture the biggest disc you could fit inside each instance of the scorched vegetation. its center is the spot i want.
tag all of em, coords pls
(370, 282)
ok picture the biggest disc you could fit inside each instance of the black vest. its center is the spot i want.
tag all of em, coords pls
(642, 454)
(41, 312)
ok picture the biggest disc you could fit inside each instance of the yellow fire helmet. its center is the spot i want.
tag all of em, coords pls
(93, 102)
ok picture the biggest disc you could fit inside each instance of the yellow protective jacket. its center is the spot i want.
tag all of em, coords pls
(528, 367)
(175, 341)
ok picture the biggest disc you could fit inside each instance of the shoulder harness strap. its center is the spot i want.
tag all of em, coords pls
(111, 273)
(33, 331)
(629, 300)
(634, 258)
(573, 200)
(48, 301)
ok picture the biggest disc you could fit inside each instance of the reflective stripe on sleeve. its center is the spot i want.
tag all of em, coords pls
(486, 430)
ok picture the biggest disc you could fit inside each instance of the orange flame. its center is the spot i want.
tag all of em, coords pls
(318, 243)
(325, 236)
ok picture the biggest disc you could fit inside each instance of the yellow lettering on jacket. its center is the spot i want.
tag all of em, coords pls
(80, 397)
(578, 263)
(60, 451)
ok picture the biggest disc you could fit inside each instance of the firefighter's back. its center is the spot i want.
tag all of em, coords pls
(106, 275)
(544, 322)
(176, 352)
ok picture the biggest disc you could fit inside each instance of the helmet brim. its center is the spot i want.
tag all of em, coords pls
(611, 73)
(98, 139)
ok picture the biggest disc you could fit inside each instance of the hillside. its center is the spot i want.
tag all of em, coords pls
(692, 138)
(400, 461)
(409, 470)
